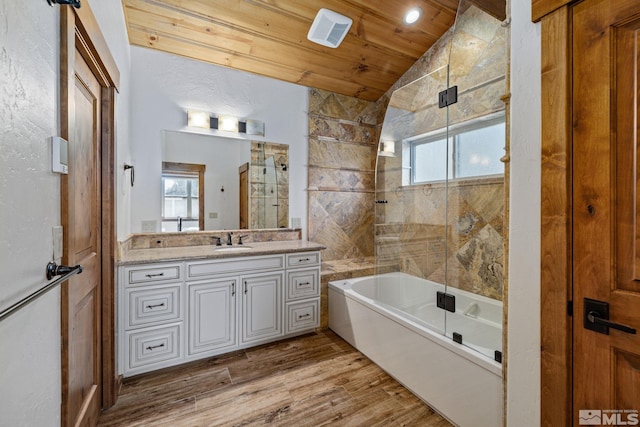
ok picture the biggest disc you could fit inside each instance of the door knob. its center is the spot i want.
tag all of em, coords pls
(596, 318)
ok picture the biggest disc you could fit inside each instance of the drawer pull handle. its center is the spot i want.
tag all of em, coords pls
(245, 287)
(155, 305)
(304, 284)
(150, 348)
(155, 275)
(304, 260)
(302, 316)
(233, 289)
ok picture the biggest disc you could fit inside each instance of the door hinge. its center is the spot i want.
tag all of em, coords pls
(448, 97)
(570, 308)
(446, 301)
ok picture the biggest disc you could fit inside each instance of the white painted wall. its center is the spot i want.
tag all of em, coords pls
(110, 17)
(523, 375)
(164, 86)
(30, 200)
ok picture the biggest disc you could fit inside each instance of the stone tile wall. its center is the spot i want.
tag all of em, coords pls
(343, 137)
(423, 226)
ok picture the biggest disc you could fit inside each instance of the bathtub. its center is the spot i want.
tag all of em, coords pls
(393, 319)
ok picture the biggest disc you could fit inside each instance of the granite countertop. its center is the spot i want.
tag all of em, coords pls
(182, 253)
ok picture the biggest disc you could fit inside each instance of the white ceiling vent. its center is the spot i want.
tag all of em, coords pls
(329, 28)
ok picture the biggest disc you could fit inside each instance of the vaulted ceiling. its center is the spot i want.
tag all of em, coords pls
(269, 37)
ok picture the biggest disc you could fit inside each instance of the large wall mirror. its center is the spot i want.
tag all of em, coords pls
(216, 183)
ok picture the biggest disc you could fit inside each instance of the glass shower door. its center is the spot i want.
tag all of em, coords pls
(440, 183)
(270, 219)
(411, 179)
(476, 187)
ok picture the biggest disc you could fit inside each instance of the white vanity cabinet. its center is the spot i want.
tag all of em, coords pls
(150, 316)
(302, 302)
(212, 314)
(261, 318)
(252, 289)
(171, 313)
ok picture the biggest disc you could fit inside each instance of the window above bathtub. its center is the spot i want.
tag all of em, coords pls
(471, 150)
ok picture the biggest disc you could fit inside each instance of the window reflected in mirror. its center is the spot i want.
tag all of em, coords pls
(182, 197)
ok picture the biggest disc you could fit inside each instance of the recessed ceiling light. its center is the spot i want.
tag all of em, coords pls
(412, 15)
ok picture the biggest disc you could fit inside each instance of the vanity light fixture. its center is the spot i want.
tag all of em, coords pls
(228, 123)
(255, 127)
(387, 149)
(412, 16)
(198, 119)
(224, 122)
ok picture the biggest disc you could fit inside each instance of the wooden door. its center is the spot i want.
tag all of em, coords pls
(243, 172)
(606, 242)
(81, 297)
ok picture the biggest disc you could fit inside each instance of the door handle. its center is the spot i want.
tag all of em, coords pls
(596, 318)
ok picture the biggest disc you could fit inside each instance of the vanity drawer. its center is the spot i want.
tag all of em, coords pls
(303, 315)
(197, 270)
(303, 283)
(158, 346)
(148, 306)
(303, 259)
(152, 273)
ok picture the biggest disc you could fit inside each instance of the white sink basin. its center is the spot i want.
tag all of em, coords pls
(233, 249)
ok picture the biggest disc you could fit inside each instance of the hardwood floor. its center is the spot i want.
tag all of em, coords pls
(313, 380)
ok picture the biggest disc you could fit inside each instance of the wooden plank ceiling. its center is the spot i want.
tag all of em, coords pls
(269, 37)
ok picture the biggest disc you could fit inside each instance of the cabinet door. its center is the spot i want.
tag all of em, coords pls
(262, 307)
(212, 315)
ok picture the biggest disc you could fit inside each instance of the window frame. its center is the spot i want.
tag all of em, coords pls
(449, 136)
(189, 169)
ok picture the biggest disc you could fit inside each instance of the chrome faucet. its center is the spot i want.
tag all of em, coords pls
(229, 242)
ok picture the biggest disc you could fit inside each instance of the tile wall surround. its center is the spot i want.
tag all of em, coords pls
(343, 138)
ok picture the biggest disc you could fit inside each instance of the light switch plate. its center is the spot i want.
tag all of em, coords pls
(59, 155)
(57, 242)
(296, 222)
(149, 226)
(213, 215)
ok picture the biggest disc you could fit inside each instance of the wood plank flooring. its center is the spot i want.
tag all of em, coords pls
(313, 380)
